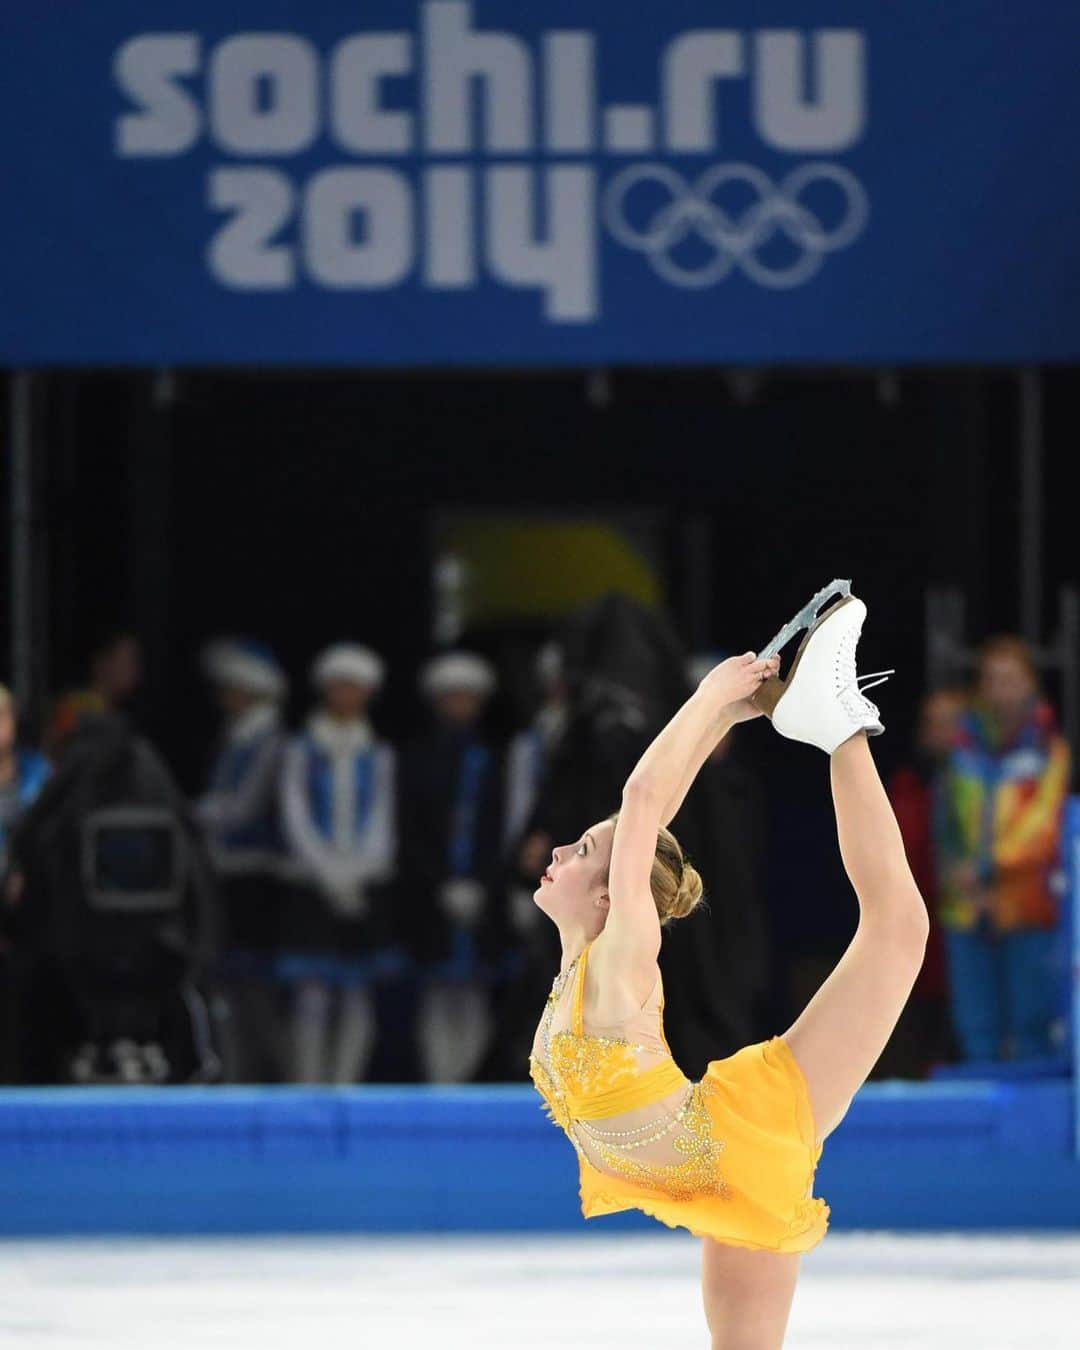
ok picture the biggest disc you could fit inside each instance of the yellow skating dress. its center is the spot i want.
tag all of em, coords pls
(731, 1157)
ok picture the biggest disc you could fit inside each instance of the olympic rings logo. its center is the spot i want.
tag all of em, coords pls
(734, 241)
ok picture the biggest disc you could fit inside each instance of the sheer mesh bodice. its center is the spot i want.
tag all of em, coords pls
(618, 1094)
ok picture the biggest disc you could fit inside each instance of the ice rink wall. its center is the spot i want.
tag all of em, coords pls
(959, 1152)
(398, 1159)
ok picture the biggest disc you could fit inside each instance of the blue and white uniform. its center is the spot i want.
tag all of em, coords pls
(338, 810)
(240, 810)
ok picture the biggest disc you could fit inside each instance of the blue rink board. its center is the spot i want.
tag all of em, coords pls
(406, 1159)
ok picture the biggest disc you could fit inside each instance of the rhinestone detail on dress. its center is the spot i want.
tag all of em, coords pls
(596, 1063)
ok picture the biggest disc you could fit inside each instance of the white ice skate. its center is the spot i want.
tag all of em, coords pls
(822, 699)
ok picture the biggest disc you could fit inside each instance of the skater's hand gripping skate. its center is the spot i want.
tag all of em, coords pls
(731, 684)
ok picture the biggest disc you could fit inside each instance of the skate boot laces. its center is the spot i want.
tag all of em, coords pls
(851, 686)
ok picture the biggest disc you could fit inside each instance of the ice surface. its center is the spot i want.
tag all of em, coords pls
(857, 1291)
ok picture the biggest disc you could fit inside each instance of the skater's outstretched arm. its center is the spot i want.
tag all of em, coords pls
(656, 787)
(741, 711)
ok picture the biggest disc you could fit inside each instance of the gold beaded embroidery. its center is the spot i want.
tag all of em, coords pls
(554, 1107)
(698, 1175)
(596, 1063)
(588, 1064)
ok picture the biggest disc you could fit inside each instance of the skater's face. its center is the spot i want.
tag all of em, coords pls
(574, 885)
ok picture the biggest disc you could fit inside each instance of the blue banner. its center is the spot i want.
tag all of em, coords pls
(583, 181)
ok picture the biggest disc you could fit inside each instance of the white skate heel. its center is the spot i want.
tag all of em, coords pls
(822, 700)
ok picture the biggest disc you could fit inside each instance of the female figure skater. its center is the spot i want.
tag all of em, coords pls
(731, 1157)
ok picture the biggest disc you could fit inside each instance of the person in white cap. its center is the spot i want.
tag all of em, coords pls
(451, 868)
(239, 807)
(239, 813)
(459, 685)
(338, 805)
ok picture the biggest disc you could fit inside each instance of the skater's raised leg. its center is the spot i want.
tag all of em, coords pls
(840, 1035)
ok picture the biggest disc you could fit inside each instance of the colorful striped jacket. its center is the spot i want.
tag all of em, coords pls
(1001, 807)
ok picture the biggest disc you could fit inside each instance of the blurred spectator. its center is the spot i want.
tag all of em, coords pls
(451, 811)
(240, 812)
(338, 806)
(114, 676)
(526, 973)
(1007, 779)
(916, 793)
(22, 773)
(527, 760)
(114, 918)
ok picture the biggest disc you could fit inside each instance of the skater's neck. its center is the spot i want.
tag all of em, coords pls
(574, 941)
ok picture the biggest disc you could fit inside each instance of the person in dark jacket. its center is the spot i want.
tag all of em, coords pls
(23, 773)
(113, 911)
(451, 904)
(114, 675)
(240, 814)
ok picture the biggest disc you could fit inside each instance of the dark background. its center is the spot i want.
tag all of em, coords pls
(301, 507)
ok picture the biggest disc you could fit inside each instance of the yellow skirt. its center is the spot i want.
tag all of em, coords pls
(760, 1108)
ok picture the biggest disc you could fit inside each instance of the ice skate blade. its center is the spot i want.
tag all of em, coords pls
(805, 618)
(774, 688)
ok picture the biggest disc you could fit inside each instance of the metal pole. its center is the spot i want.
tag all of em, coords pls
(21, 525)
(1031, 502)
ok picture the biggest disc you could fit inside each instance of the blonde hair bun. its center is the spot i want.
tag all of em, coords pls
(688, 896)
(676, 884)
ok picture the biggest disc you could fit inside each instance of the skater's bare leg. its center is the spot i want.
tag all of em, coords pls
(840, 1035)
(747, 1295)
